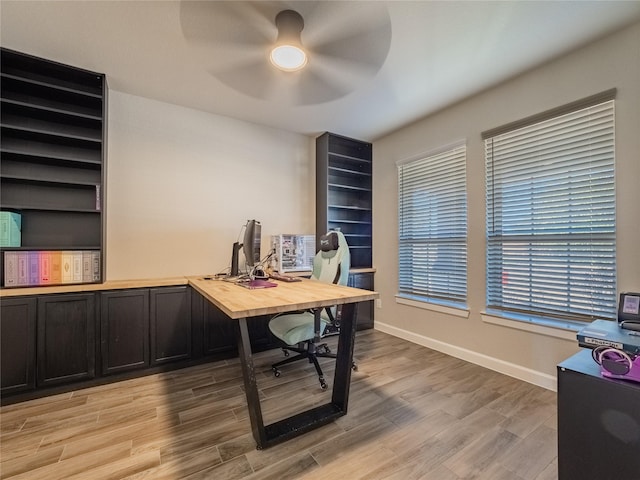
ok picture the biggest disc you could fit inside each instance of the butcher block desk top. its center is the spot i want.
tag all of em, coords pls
(239, 302)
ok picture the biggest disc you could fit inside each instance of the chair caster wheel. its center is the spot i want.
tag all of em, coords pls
(285, 352)
(354, 367)
(323, 384)
(276, 372)
(327, 350)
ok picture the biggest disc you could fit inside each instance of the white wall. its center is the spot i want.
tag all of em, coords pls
(611, 62)
(181, 183)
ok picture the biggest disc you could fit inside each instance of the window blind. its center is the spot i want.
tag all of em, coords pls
(551, 231)
(433, 225)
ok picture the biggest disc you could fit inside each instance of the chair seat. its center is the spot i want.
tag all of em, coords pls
(293, 328)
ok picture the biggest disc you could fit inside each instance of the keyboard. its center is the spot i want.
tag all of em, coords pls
(284, 278)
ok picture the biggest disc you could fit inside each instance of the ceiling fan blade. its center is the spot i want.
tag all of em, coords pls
(318, 87)
(333, 21)
(251, 78)
(224, 23)
(368, 48)
(329, 78)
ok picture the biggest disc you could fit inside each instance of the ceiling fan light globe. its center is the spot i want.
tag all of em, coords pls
(288, 58)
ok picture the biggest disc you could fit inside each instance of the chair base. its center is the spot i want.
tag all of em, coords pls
(311, 352)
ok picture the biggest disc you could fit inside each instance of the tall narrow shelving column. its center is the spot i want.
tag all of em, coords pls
(344, 202)
(343, 193)
(53, 135)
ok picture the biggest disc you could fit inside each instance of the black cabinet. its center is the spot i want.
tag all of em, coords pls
(124, 330)
(145, 327)
(215, 334)
(219, 332)
(65, 338)
(52, 145)
(52, 342)
(18, 349)
(170, 324)
(364, 317)
(260, 335)
(344, 193)
(598, 423)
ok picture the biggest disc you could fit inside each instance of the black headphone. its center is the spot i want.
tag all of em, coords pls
(613, 360)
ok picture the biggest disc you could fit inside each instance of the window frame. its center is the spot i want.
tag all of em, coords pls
(411, 181)
(495, 301)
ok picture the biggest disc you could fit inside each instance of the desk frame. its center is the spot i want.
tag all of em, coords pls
(269, 435)
(239, 305)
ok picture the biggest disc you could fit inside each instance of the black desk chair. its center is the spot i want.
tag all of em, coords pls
(301, 331)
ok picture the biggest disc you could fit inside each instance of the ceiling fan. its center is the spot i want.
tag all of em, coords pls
(345, 42)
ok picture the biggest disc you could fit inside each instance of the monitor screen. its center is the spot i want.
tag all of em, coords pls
(631, 304)
(251, 243)
(250, 246)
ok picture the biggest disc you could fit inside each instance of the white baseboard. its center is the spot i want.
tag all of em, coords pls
(516, 371)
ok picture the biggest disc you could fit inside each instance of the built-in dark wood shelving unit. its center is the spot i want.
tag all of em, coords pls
(343, 191)
(344, 202)
(53, 147)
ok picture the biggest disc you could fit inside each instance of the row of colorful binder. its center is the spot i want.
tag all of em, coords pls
(29, 268)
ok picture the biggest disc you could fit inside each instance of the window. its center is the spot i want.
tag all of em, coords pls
(433, 225)
(551, 232)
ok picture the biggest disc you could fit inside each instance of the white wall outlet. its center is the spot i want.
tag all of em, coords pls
(379, 302)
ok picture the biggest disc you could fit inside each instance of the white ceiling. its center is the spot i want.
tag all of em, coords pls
(439, 52)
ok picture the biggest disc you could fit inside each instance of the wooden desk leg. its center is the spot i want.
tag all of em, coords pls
(342, 376)
(251, 385)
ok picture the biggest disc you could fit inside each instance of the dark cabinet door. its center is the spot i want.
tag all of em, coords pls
(365, 309)
(260, 335)
(215, 334)
(18, 349)
(124, 330)
(66, 338)
(218, 331)
(170, 324)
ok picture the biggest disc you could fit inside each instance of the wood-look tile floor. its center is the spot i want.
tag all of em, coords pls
(414, 413)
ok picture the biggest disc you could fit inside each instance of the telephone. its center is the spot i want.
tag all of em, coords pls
(629, 311)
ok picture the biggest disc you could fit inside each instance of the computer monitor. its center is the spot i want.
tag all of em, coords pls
(250, 246)
(252, 242)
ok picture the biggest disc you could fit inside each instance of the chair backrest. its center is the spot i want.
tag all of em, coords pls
(331, 263)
